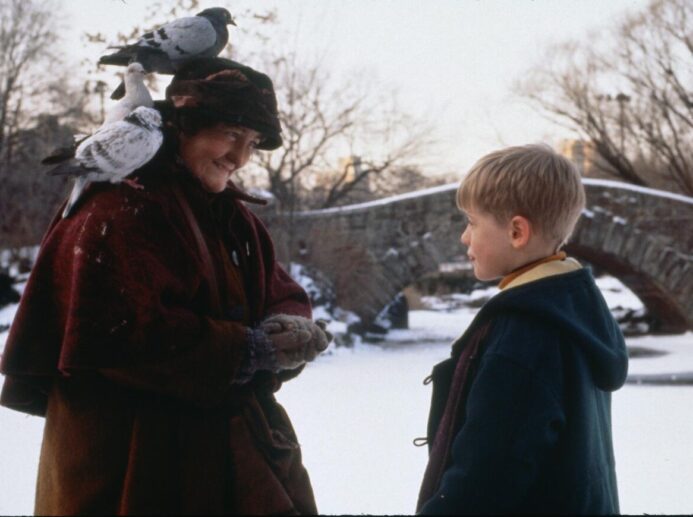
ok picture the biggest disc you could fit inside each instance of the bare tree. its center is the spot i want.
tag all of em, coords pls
(656, 59)
(25, 36)
(325, 119)
(311, 122)
(567, 88)
(37, 113)
(627, 92)
(29, 197)
(390, 165)
(404, 179)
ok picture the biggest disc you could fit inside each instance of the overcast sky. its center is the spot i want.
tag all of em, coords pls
(453, 61)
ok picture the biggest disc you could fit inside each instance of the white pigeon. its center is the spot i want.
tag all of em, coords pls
(165, 49)
(112, 152)
(136, 94)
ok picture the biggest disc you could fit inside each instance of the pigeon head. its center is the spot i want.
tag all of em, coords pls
(135, 68)
(218, 14)
(148, 118)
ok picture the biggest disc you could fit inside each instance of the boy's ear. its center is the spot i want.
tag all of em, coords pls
(520, 231)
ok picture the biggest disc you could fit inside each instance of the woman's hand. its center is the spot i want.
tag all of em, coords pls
(296, 339)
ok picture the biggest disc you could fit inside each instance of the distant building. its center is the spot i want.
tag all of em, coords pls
(362, 191)
(585, 155)
(352, 167)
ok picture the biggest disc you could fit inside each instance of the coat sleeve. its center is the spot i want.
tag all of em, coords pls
(512, 422)
(282, 294)
(135, 306)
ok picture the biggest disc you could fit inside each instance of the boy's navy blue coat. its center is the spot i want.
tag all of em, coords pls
(534, 431)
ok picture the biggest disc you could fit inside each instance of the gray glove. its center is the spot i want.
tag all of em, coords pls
(296, 339)
(323, 326)
(260, 355)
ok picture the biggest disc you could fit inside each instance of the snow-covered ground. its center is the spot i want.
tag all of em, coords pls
(357, 410)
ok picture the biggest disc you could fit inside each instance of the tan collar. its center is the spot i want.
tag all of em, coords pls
(550, 266)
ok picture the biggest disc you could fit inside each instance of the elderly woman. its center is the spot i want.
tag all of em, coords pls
(157, 325)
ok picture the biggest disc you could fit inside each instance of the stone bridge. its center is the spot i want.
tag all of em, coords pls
(371, 251)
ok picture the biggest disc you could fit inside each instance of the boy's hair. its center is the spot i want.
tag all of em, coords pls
(530, 180)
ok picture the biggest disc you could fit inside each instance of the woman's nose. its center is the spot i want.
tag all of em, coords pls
(239, 154)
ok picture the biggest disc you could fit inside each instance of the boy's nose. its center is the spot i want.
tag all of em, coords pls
(464, 238)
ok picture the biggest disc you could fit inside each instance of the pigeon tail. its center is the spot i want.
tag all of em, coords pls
(120, 58)
(77, 189)
(119, 92)
(69, 168)
(59, 155)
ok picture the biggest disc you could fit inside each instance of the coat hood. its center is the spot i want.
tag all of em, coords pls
(572, 303)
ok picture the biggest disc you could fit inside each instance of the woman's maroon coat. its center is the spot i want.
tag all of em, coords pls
(117, 342)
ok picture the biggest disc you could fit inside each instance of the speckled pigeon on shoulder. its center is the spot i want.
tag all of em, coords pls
(137, 95)
(113, 152)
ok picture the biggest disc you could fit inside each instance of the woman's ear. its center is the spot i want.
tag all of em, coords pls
(520, 231)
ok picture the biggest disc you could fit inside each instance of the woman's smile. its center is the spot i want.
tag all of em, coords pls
(226, 168)
(214, 153)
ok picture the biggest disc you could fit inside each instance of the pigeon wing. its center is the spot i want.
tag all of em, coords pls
(137, 148)
(132, 148)
(101, 153)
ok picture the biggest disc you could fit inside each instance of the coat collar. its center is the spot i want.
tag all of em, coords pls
(554, 265)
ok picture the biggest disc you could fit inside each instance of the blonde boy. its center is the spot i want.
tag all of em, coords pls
(520, 418)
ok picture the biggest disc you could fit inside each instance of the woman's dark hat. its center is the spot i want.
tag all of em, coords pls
(232, 93)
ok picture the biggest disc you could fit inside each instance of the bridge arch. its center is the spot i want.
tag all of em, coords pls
(371, 251)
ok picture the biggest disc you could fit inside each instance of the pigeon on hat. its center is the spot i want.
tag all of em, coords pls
(165, 49)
